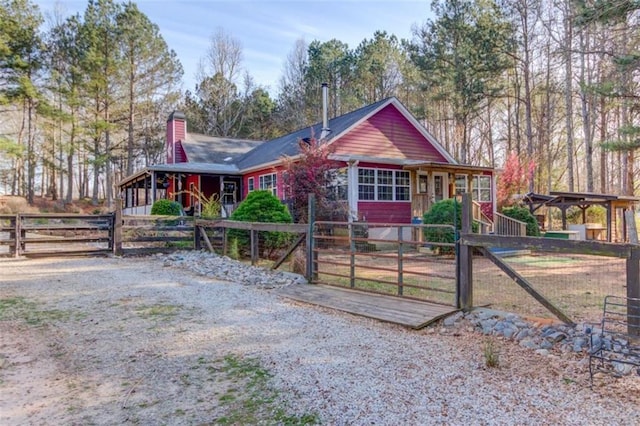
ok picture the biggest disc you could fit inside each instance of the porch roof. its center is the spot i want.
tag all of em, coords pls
(583, 198)
(199, 168)
(456, 168)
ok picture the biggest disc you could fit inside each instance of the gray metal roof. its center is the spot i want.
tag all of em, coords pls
(209, 149)
(200, 168)
(274, 149)
(190, 167)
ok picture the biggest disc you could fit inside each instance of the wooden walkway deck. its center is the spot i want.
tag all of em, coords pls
(406, 312)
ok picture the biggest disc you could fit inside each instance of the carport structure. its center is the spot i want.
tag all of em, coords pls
(616, 206)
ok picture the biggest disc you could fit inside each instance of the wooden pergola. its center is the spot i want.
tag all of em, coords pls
(583, 200)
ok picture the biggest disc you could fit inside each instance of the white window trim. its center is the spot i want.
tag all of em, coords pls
(375, 184)
(476, 190)
(251, 184)
(274, 187)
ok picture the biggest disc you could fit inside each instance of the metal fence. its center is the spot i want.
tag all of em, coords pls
(392, 259)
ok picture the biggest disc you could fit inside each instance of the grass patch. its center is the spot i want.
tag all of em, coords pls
(21, 309)
(543, 261)
(251, 400)
(491, 354)
(158, 311)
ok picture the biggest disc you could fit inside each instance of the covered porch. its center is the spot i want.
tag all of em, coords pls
(433, 182)
(181, 182)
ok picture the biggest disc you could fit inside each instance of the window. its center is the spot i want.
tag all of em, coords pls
(481, 188)
(269, 183)
(366, 184)
(339, 185)
(383, 185)
(461, 184)
(403, 186)
(250, 184)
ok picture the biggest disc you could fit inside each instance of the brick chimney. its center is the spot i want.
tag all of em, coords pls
(176, 132)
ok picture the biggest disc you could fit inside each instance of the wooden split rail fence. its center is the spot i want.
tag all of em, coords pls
(44, 234)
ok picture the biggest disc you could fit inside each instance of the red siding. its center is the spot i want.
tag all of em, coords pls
(385, 211)
(191, 179)
(181, 156)
(388, 134)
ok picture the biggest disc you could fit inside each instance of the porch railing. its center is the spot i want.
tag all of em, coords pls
(505, 225)
(486, 224)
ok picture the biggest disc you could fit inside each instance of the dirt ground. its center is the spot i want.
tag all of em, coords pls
(99, 341)
(130, 341)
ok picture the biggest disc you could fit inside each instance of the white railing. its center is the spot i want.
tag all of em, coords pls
(505, 225)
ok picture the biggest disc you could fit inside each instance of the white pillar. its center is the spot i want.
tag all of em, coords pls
(352, 194)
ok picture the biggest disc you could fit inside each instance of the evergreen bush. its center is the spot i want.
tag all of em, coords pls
(261, 206)
(443, 213)
(166, 208)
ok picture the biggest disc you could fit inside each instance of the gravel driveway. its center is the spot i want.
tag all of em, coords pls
(150, 341)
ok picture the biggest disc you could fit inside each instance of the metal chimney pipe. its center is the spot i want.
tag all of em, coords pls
(325, 112)
(325, 108)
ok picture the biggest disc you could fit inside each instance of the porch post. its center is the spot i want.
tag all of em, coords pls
(154, 190)
(431, 189)
(452, 185)
(352, 192)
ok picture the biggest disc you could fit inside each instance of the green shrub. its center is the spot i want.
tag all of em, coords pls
(594, 214)
(523, 215)
(261, 206)
(443, 213)
(166, 208)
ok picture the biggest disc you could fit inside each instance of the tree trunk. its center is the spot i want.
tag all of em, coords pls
(568, 89)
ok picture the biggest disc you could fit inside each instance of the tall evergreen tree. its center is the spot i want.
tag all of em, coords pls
(150, 72)
(462, 53)
(102, 65)
(331, 62)
(21, 60)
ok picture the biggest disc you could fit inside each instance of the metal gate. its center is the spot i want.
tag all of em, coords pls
(409, 260)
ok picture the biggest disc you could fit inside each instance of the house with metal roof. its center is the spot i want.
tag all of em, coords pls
(391, 168)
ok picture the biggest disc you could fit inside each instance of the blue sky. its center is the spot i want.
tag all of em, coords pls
(267, 29)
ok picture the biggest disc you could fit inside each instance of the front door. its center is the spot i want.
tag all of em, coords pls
(440, 187)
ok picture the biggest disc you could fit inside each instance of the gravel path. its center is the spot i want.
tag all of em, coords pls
(142, 341)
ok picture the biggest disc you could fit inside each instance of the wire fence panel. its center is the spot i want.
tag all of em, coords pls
(575, 283)
(391, 259)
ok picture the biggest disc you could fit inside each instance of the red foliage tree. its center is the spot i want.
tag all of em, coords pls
(312, 172)
(514, 179)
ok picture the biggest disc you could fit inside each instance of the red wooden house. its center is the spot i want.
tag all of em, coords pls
(392, 168)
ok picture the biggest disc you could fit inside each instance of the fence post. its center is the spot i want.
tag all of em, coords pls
(19, 236)
(116, 234)
(197, 239)
(352, 255)
(225, 247)
(255, 246)
(13, 235)
(311, 214)
(633, 292)
(400, 260)
(465, 278)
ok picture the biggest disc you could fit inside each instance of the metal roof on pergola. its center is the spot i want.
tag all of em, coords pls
(584, 200)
